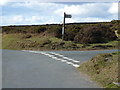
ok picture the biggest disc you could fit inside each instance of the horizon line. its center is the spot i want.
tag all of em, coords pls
(89, 22)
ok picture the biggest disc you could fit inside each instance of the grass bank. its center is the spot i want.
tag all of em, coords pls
(103, 69)
(19, 41)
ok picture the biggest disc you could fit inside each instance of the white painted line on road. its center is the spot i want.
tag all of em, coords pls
(50, 55)
(64, 60)
(56, 54)
(71, 59)
(69, 63)
(62, 57)
(76, 65)
(58, 59)
(54, 57)
(65, 57)
(76, 61)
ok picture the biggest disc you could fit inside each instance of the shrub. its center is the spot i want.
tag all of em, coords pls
(95, 34)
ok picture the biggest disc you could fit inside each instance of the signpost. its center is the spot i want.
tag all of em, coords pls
(63, 29)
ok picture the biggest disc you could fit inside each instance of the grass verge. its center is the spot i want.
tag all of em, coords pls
(38, 42)
(102, 68)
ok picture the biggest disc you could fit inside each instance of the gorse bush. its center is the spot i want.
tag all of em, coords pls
(71, 31)
(56, 30)
(95, 34)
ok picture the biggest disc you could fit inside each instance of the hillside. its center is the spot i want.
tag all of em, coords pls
(78, 36)
(103, 68)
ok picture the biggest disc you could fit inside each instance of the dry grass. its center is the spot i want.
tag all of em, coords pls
(103, 68)
(38, 42)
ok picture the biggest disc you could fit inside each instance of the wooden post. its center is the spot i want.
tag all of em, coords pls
(63, 29)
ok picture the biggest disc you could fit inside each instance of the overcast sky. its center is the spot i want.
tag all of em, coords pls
(35, 12)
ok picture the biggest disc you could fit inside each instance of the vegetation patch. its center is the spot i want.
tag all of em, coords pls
(86, 33)
(95, 34)
(103, 68)
(78, 36)
(38, 42)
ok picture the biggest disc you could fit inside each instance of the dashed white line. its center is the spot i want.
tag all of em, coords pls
(64, 59)
(56, 54)
(69, 63)
(76, 65)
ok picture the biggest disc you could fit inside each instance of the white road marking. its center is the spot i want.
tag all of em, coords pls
(58, 59)
(76, 61)
(69, 63)
(54, 57)
(76, 65)
(65, 57)
(64, 60)
(56, 54)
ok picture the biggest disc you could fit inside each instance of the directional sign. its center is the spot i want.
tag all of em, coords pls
(68, 16)
(63, 29)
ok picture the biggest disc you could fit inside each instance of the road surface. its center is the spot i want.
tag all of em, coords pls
(45, 69)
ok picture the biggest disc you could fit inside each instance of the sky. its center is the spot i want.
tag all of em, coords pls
(36, 12)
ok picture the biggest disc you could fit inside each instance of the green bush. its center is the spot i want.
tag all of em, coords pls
(95, 34)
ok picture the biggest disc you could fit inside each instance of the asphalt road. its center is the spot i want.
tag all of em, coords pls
(0, 69)
(45, 69)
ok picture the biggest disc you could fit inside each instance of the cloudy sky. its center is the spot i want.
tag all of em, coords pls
(35, 12)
